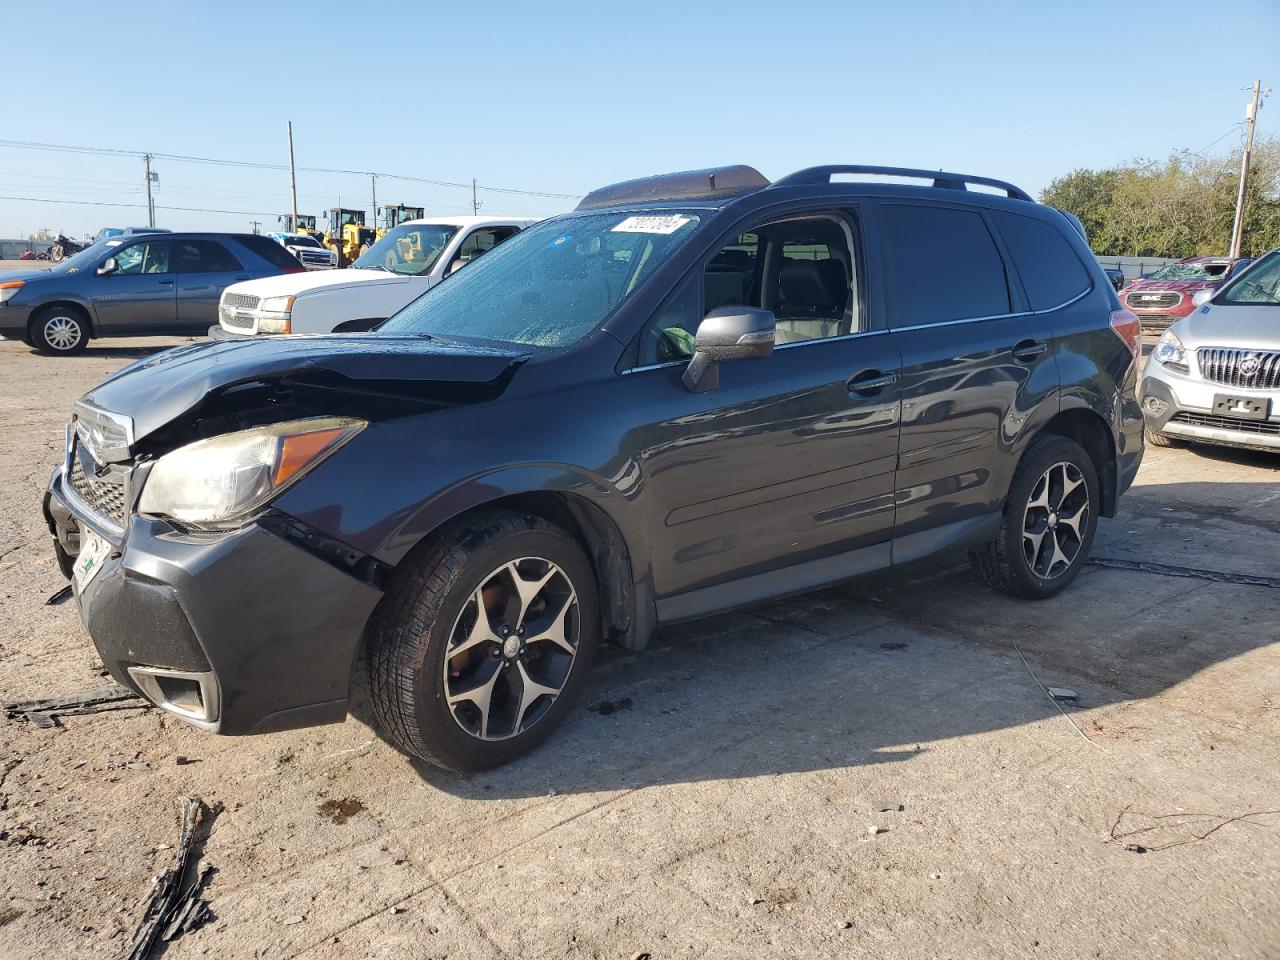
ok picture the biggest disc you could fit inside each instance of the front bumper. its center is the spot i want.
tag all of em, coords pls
(235, 633)
(1181, 405)
(15, 319)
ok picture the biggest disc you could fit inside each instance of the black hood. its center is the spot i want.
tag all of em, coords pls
(156, 390)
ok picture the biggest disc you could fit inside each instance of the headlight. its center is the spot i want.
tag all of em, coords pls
(274, 315)
(218, 483)
(9, 289)
(1169, 350)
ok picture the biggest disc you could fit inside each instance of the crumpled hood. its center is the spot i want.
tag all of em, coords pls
(1181, 286)
(157, 389)
(1240, 326)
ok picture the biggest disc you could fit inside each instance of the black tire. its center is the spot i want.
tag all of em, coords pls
(60, 331)
(1157, 439)
(412, 628)
(1003, 563)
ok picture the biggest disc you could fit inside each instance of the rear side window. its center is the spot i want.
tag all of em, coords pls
(204, 256)
(943, 265)
(270, 251)
(1051, 272)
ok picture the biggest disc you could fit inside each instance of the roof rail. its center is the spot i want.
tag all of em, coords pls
(706, 184)
(940, 178)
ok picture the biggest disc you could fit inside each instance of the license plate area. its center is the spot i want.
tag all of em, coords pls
(94, 550)
(1243, 408)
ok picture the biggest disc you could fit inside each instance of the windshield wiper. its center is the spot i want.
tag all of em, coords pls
(371, 266)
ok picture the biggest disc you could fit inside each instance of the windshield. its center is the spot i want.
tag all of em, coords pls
(409, 249)
(552, 284)
(85, 257)
(1260, 284)
(301, 240)
(1191, 271)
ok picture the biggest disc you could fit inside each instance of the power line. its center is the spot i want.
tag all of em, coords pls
(257, 165)
(141, 206)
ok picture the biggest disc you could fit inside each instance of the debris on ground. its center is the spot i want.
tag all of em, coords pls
(894, 645)
(340, 811)
(886, 806)
(606, 707)
(45, 713)
(175, 906)
(62, 596)
(1180, 828)
(1062, 693)
(875, 829)
(296, 919)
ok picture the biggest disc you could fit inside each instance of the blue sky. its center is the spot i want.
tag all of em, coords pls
(563, 97)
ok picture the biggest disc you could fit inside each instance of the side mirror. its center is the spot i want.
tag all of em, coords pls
(1202, 296)
(727, 333)
(455, 267)
(107, 266)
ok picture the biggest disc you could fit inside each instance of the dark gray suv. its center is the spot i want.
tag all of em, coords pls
(693, 392)
(134, 285)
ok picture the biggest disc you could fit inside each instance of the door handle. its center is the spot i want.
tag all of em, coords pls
(166, 283)
(868, 382)
(1028, 350)
(238, 279)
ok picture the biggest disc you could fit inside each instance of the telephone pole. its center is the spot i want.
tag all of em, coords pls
(1251, 118)
(293, 185)
(151, 178)
(373, 189)
(475, 204)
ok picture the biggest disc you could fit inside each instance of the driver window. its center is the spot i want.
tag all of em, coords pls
(152, 257)
(802, 268)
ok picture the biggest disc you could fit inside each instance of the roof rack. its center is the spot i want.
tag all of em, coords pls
(940, 178)
(712, 183)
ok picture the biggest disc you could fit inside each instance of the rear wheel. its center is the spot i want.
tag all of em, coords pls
(59, 330)
(1050, 516)
(483, 641)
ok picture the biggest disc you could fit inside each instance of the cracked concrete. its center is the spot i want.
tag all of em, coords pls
(727, 812)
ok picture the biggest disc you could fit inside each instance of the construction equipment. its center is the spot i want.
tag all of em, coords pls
(347, 235)
(392, 217)
(306, 224)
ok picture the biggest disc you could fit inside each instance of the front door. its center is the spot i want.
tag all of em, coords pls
(136, 297)
(789, 461)
(204, 268)
(976, 365)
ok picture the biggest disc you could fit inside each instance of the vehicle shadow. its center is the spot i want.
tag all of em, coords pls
(877, 669)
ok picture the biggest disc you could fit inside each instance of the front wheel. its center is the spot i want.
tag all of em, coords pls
(1157, 439)
(1050, 516)
(483, 641)
(59, 330)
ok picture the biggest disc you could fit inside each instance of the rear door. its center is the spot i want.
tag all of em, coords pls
(204, 269)
(138, 296)
(977, 370)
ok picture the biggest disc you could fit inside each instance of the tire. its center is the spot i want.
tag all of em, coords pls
(1033, 508)
(61, 331)
(429, 618)
(1156, 439)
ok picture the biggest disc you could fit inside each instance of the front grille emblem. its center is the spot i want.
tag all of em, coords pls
(1250, 365)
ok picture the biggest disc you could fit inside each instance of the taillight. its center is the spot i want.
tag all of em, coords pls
(1129, 329)
(298, 269)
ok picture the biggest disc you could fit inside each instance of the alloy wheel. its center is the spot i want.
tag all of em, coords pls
(512, 649)
(1055, 520)
(62, 333)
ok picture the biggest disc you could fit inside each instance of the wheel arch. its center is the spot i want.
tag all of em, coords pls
(65, 303)
(1089, 429)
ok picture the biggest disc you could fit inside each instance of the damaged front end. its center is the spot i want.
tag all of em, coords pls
(198, 593)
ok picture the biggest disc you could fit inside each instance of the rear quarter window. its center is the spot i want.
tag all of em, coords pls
(270, 251)
(1051, 271)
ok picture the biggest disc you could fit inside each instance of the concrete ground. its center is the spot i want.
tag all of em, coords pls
(727, 811)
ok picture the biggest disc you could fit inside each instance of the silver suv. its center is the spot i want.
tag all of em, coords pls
(1214, 376)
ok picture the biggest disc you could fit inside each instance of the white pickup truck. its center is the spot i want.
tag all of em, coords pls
(408, 260)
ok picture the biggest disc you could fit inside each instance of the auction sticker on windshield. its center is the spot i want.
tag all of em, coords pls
(93, 553)
(663, 225)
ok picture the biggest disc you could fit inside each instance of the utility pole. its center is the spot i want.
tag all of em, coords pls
(293, 185)
(151, 178)
(475, 204)
(373, 190)
(255, 224)
(1251, 118)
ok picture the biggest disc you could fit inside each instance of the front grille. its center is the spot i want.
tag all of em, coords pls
(1262, 427)
(1160, 300)
(103, 495)
(240, 301)
(1250, 369)
(314, 257)
(1157, 321)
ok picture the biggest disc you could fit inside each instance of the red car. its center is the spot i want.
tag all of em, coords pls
(1164, 297)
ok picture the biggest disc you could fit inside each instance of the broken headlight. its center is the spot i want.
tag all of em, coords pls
(1170, 351)
(220, 482)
